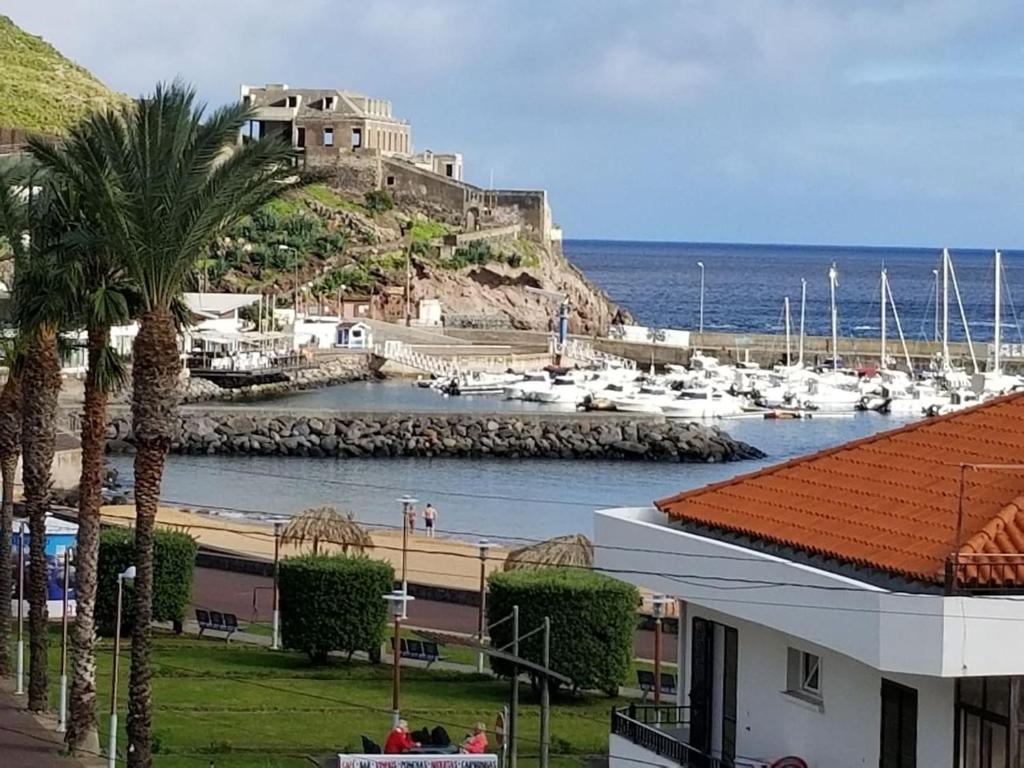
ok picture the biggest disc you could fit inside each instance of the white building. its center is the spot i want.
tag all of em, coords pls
(857, 607)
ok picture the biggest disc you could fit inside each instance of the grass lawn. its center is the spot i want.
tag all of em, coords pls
(425, 231)
(239, 705)
(327, 196)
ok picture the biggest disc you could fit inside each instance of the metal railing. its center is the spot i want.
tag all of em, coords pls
(585, 353)
(402, 353)
(985, 572)
(638, 725)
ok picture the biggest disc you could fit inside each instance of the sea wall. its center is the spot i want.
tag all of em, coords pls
(382, 435)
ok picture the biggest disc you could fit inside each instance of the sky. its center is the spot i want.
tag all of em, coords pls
(874, 122)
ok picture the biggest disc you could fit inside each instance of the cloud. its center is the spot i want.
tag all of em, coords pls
(628, 74)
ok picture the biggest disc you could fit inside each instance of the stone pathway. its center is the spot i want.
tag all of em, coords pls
(27, 740)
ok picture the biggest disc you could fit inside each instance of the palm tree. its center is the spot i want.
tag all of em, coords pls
(10, 450)
(101, 300)
(329, 525)
(572, 550)
(170, 186)
(34, 214)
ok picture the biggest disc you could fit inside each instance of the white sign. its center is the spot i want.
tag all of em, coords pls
(418, 761)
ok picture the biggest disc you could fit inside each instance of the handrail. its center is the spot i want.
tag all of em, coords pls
(630, 723)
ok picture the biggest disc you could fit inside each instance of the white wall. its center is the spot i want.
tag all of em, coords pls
(923, 634)
(844, 732)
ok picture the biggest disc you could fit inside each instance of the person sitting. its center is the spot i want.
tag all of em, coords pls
(399, 740)
(477, 743)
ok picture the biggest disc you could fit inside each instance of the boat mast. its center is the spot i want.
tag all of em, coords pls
(963, 317)
(832, 281)
(945, 309)
(899, 326)
(998, 309)
(881, 352)
(785, 309)
(803, 308)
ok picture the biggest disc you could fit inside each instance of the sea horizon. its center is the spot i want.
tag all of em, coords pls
(961, 249)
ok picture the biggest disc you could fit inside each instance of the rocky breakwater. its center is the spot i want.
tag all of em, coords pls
(443, 435)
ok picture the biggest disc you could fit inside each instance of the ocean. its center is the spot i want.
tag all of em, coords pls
(659, 283)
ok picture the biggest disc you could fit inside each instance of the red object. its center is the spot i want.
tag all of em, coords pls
(476, 744)
(889, 501)
(399, 741)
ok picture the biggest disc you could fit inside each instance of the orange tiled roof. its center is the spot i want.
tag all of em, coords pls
(890, 501)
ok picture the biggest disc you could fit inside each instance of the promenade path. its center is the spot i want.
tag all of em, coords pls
(27, 741)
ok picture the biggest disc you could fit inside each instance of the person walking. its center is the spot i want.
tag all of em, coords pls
(429, 518)
(410, 519)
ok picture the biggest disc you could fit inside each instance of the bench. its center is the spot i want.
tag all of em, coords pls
(645, 681)
(215, 620)
(419, 650)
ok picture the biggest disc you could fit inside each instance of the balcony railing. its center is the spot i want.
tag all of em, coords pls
(660, 729)
(984, 572)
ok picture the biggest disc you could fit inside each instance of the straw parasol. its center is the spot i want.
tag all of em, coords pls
(327, 524)
(575, 549)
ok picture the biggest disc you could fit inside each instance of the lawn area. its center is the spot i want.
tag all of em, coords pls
(425, 231)
(239, 705)
(327, 196)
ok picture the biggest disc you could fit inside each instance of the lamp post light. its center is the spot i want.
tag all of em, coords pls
(408, 508)
(658, 603)
(701, 265)
(20, 689)
(484, 546)
(126, 576)
(295, 280)
(397, 601)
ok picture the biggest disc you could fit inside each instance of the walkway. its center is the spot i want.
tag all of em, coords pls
(27, 741)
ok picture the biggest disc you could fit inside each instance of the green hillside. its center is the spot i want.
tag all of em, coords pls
(40, 90)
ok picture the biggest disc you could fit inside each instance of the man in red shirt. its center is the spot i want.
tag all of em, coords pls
(477, 743)
(399, 740)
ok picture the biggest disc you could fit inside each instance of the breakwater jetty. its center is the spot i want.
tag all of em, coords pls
(264, 432)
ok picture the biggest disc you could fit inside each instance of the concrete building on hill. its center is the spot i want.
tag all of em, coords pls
(322, 122)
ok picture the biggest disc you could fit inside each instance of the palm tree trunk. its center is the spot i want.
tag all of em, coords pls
(82, 731)
(154, 423)
(10, 437)
(38, 440)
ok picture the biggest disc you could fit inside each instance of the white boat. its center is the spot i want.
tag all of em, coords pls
(563, 390)
(703, 404)
(532, 383)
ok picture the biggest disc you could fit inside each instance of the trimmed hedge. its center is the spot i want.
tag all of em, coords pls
(593, 621)
(174, 560)
(334, 603)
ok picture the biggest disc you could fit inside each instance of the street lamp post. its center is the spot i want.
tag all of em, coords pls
(658, 609)
(62, 714)
(408, 506)
(20, 689)
(275, 643)
(484, 546)
(126, 576)
(397, 601)
(701, 265)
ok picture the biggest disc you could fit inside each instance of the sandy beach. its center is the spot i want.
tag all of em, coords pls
(438, 562)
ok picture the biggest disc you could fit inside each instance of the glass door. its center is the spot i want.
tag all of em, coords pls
(983, 722)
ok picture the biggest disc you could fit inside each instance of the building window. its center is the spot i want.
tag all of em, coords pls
(449, 170)
(803, 675)
(357, 138)
(293, 101)
(328, 137)
(391, 181)
(329, 102)
(300, 138)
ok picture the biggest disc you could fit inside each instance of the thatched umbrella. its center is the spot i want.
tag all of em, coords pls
(575, 549)
(329, 525)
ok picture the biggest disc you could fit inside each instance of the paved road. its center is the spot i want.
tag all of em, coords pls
(233, 592)
(24, 742)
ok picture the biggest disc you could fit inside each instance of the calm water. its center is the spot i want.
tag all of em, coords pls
(514, 498)
(745, 285)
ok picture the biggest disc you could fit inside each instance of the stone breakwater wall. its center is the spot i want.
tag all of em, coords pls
(321, 434)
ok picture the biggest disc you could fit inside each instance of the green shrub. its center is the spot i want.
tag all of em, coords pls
(593, 620)
(174, 559)
(334, 603)
(378, 201)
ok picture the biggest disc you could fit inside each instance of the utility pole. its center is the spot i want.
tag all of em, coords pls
(545, 699)
(513, 724)
(408, 508)
(701, 265)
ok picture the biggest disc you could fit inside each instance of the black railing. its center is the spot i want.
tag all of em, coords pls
(640, 725)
